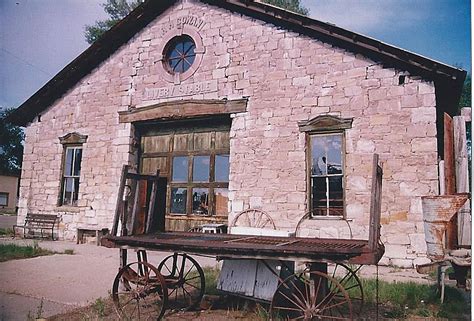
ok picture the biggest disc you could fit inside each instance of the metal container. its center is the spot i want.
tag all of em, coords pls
(437, 212)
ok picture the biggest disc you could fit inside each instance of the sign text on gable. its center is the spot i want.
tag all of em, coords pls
(181, 90)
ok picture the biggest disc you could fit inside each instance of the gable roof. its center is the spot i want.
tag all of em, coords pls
(447, 79)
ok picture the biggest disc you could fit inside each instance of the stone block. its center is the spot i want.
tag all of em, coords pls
(402, 263)
(421, 261)
(302, 81)
(395, 251)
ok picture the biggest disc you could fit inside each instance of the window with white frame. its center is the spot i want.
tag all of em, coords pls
(325, 161)
(327, 174)
(71, 175)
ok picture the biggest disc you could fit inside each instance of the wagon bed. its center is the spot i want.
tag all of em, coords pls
(253, 247)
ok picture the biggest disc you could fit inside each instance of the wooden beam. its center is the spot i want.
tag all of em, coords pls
(183, 109)
(450, 178)
(449, 168)
(462, 178)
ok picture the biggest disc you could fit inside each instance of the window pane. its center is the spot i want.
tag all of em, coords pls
(200, 201)
(221, 200)
(3, 199)
(180, 169)
(68, 162)
(68, 191)
(319, 189)
(178, 200)
(222, 168)
(336, 204)
(201, 169)
(76, 190)
(77, 162)
(326, 154)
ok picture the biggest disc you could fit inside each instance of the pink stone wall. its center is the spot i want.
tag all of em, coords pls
(288, 78)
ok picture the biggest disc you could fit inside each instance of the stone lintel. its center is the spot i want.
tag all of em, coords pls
(183, 109)
(325, 123)
(73, 138)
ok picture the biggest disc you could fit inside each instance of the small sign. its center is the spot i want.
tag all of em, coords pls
(178, 23)
(181, 90)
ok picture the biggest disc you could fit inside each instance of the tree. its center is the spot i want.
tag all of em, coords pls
(11, 144)
(290, 5)
(465, 100)
(117, 10)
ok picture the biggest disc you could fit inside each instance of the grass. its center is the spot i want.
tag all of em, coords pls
(211, 275)
(403, 299)
(6, 231)
(15, 252)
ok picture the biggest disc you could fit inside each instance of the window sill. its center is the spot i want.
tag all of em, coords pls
(331, 218)
(71, 209)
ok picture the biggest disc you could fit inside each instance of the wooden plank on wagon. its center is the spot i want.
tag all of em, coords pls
(450, 178)
(449, 167)
(462, 178)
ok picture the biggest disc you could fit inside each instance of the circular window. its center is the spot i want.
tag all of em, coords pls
(179, 54)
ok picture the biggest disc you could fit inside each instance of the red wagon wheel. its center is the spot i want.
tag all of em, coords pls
(184, 279)
(139, 292)
(311, 296)
(253, 218)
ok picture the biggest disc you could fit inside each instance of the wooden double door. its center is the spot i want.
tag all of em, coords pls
(193, 160)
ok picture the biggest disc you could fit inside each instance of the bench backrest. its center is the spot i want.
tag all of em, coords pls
(41, 219)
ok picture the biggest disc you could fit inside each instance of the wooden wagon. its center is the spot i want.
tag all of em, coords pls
(143, 290)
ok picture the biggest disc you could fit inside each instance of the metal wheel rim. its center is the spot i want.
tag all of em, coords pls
(253, 218)
(186, 281)
(144, 295)
(303, 304)
(352, 284)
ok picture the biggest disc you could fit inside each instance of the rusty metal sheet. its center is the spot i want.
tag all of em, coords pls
(437, 213)
(257, 247)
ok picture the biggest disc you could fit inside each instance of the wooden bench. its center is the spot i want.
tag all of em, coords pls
(38, 222)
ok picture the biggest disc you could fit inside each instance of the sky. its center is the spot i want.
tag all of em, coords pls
(40, 37)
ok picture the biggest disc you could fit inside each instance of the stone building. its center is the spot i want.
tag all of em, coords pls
(240, 105)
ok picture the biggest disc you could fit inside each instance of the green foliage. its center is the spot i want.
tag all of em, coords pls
(99, 307)
(6, 231)
(14, 252)
(465, 100)
(11, 144)
(117, 10)
(290, 5)
(211, 275)
(402, 299)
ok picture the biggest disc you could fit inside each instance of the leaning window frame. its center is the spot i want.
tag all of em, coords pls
(309, 160)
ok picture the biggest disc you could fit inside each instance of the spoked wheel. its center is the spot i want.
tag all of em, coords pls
(311, 296)
(347, 277)
(253, 218)
(185, 281)
(139, 292)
